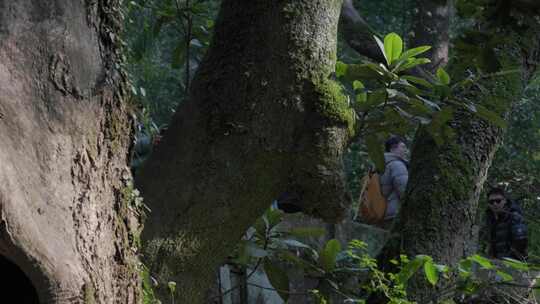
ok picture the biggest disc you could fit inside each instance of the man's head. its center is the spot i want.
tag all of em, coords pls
(396, 145)
(496, 200)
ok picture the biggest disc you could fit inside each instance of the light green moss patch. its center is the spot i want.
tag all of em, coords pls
(333, 104)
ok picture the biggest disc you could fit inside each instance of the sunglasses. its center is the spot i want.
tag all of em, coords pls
(495, 201)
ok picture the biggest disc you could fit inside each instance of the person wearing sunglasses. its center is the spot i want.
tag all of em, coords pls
(507, 230)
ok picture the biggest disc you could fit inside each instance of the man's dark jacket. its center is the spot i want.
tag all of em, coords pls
(507, 234)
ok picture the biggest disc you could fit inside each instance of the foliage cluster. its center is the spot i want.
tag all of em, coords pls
(279, 250)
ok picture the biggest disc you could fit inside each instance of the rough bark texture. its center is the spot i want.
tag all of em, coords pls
(65, 132)
(432, 27)
(439, 212)
(263, 117)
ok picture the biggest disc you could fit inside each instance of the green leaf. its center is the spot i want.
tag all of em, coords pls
(274, 217)
(382, 48)
(341, 69)
(375, 151)
(363, 72)
(411, 63)
(482, 261)
(393, 46)
(515, 264)
(465, 268)
(414, 51)
(278, 278)
(490, 116)
(172, 286)
(358, 85)
(328, 255)
(432, 275)
(410, 269)
(443, 77)
(374, 99)
(418, 80)
(505, 276)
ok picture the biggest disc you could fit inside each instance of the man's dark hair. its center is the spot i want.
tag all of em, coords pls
(392, 142)
(495, 191)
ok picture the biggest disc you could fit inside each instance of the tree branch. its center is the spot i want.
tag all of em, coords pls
(358, 33)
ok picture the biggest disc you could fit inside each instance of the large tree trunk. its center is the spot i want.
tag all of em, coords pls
(439, 212)
(263, 117)
(64, 217)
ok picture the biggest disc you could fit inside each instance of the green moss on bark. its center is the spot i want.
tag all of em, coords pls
(333, 104)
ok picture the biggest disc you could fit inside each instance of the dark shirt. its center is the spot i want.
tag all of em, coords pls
(507, 233)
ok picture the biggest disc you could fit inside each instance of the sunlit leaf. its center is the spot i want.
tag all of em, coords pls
(393, 46)
(414, 51)
(381, 47)
(432, 275)
(341, 69)
(418, 80)
(327, 257)
(443, 77)
(482, 261)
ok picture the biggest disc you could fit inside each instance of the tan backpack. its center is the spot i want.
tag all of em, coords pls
(373, 204)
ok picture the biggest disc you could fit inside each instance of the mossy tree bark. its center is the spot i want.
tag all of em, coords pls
(65, 131)
(439, 212)
(263, 117)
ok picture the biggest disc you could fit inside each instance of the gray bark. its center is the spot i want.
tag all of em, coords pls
(65, 132)
(262, 117)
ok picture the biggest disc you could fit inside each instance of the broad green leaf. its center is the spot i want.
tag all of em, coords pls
(505, 276)
(412, 62)
(393, 46)
(274, 217)
(410, 269)
(443, 77)
(418, 80)
(375, 151)
(341, 69)
(490, 116)
(465, 268)
(414, 51)
(432, 275)
(361, 97)
(482, 261)
(278, 278)
(327, 257)
(363, 72)
(515, 264)
(358, 85)
(307, 232)
(382, 48)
